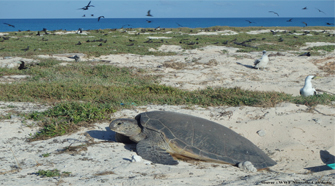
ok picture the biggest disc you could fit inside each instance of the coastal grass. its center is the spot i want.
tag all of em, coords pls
(84, 93)
(118, 41)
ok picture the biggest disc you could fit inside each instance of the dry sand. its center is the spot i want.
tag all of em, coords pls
(294, 134)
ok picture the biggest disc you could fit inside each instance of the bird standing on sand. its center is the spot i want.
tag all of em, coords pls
(148, 14)
(262, 62)
(308, 90)
(100, 18)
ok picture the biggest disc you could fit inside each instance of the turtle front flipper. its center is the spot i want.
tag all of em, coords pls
(149, 151)
(122, 138)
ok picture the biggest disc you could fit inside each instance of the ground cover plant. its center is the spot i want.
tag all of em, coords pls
(82, 93)
(136, 41)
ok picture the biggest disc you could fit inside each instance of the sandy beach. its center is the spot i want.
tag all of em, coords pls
(292, 135)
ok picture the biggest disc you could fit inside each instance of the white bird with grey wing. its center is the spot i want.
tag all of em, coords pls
(308, 90)
(262, 62)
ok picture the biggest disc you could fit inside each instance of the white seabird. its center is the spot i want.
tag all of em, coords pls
(262, 62)
(308, 90)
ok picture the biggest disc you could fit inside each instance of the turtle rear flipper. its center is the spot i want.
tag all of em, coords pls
(153, 153)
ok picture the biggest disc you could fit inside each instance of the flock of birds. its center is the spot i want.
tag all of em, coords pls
(92, 15)
(290, 20)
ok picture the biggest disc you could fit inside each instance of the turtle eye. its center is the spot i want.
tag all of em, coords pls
(119, 124)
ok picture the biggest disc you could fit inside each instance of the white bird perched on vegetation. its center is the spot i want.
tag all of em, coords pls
(262, 62)
(308, 90)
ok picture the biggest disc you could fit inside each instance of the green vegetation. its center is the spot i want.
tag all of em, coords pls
(82, 93)
(46, 155)
(116, 41)
(53, 173)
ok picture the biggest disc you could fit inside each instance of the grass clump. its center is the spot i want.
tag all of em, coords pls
(52, 173)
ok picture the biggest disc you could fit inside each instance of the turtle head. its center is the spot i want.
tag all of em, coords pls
(127, 127)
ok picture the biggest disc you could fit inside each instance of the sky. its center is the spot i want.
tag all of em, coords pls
(12, 9)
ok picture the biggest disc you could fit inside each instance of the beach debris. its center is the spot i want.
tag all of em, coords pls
(262, 62)
(247, 166)
(261, 133)
(308, 90)
(162, 136)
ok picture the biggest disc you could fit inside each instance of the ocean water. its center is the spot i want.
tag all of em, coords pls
(104, 23)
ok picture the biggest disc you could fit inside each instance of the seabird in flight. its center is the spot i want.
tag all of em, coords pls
(9, 25)
(100, 17)
(148, 14)
(274, 12)
(290, 20)
(86, 7)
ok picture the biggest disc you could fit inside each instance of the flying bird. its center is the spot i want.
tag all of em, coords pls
(249, 21)
(321, 11)
(88, 5)
(305, 8)
(148, 21)
(274, 12)
(148, 14)
(100, 17)
(305, 23)
(92, 15)
(9, 25)
(179, 25)
(83, 15)
(290, 20)
(330, 23)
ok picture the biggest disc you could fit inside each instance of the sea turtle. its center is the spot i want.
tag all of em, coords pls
(162, 136)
